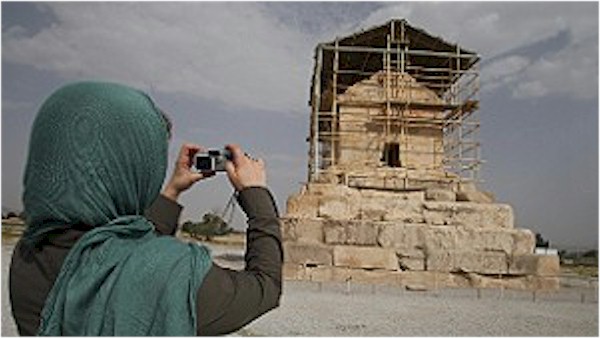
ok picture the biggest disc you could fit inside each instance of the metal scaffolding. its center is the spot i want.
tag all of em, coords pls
(393, 50)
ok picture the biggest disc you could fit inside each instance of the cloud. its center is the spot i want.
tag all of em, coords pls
(512, 35)
(230, 53)
(260, 56)
(572, 71)
(503, 71)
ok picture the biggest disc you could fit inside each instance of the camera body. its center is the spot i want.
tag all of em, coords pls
(212, 160)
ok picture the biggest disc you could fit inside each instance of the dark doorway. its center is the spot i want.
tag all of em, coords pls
(391, 154)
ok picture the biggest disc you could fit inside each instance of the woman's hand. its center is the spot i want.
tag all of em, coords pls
(243, 171)
(183, 176)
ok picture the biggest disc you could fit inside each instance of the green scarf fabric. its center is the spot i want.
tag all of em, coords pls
(97, 157)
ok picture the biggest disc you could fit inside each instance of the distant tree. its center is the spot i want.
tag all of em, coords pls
(540, 242)
(590, 254)
(22, 215)
(211, 225)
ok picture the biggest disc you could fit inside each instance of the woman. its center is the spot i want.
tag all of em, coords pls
(97, 258)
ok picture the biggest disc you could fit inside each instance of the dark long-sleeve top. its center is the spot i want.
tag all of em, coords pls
(227, 299)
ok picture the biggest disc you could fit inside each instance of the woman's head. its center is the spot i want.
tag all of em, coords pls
(97, 151)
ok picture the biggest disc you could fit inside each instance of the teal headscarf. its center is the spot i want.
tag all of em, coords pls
(97, 157)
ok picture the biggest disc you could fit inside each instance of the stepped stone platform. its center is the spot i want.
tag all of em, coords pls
(417, 239)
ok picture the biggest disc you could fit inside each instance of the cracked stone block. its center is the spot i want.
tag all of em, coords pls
(441, 195)
(302, 230)
(302, 206)
(532, 264)
(364, 257)
(467, 261)
(523, 242)
(350, 232)
(301, 253)
(469, 214)
(407, 240)
(410, 263)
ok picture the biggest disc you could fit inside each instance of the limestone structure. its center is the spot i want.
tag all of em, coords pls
(392, 193)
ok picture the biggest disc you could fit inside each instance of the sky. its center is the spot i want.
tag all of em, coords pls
(240, 73)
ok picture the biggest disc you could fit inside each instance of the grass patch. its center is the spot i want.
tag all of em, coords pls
(581, 270)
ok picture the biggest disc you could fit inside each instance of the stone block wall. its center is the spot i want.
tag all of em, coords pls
(332, 232)
(361, 141)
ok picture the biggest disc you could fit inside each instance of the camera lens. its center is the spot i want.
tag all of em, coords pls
(204, 163)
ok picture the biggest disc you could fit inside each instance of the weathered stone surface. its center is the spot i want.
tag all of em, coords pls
(301, 253)
(539, 265)
(438, 217)
(474, 196)
(523, 242)
(440, 195)
(321, 189)
(481, 262)
(407, 240)
(537, 283)
(381, 207)
(469, 214)
(302, 230)
(302, 206)
(439, 238)
(386, 277)
(543, 283)
(288, 229)
(484, 239)
(405, 211)
(429, 280)
(492, 215)
(337, 207)
(351, 232)
(410, 263)
(309, 230)
(416, 196)
(364, 257)
(292, 271)
(344, 274)
(467, 261)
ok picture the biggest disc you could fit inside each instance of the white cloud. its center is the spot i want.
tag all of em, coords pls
(231, 53)
(493, 29)
(572, 71)
(503, 71)
(530, 89)
(244, 56)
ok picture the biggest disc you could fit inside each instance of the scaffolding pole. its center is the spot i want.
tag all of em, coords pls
(456, 116)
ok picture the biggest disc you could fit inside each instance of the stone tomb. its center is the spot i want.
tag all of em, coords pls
(391, 195)
(416, 239)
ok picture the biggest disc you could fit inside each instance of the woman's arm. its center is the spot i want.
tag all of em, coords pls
(229, 299)
(164, 213)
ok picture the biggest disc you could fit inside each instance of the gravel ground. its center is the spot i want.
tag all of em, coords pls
(310, 309)
(8, 324)
(384, 311)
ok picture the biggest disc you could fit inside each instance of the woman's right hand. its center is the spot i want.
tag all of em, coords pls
(244, 172)
(183, 176)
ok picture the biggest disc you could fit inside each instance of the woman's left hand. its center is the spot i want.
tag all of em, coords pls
(183, 176)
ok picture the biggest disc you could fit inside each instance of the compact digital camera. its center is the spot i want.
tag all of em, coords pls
(212, 160)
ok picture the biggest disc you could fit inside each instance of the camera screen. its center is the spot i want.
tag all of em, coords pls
(204, 163)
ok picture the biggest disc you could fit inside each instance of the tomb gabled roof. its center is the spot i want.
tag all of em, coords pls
(430, 59)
